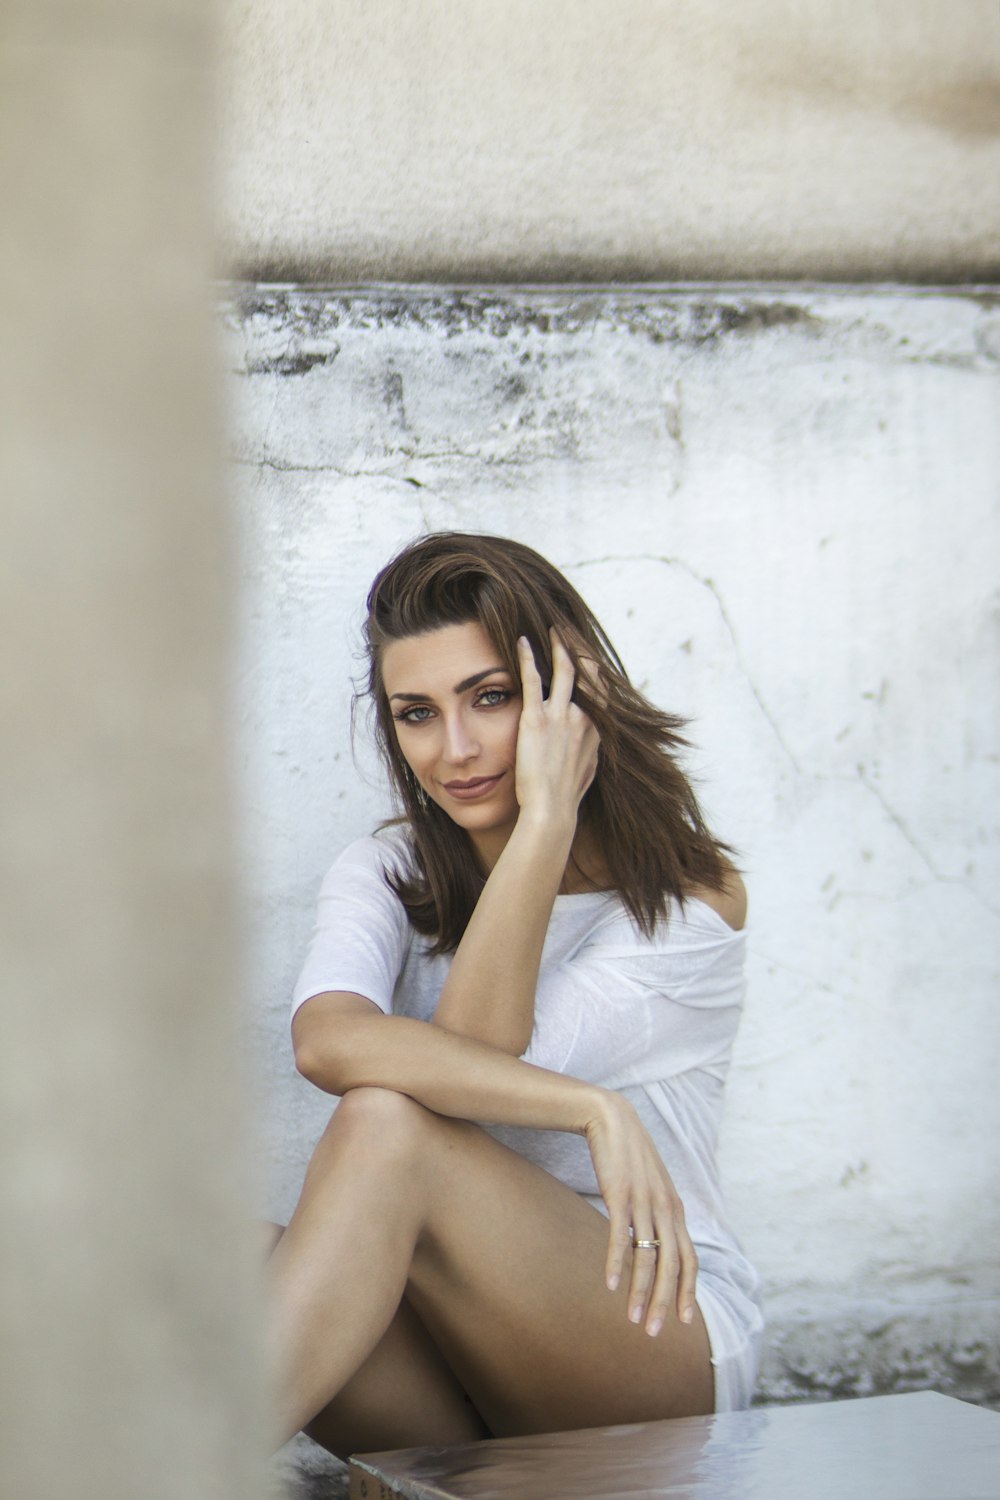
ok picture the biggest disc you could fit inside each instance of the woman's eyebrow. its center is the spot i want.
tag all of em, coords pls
(460, 687)
(470, 682)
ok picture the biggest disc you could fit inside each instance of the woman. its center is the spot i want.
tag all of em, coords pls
(547, 942)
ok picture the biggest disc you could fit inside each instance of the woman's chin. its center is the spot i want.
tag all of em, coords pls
(480, 817)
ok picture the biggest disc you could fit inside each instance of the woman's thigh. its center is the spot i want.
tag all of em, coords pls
(508, 1279)
(404, 1395)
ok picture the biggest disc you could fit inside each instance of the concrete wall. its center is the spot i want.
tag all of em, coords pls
(458, 140)
(128, 1300)
(783, 505)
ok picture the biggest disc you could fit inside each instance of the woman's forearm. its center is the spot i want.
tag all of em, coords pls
(490, 991)
(452, 1075)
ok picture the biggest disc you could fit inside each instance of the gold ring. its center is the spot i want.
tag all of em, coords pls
(645, 1244)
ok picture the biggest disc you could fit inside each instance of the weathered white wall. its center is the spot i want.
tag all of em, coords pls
(783, 504)
(455, 140)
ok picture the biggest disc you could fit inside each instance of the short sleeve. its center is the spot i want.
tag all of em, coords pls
(361, 937)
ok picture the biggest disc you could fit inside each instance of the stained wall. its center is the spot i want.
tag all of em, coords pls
(610, 140)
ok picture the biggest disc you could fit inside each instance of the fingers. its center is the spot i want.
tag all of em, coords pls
(563, 672)
(619, 1239)
(688, 1277)
(531, 682)
(665, 1283)
(664, 1275)
(646, 1269)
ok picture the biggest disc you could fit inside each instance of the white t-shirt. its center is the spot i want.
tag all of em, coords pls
(652, 1017)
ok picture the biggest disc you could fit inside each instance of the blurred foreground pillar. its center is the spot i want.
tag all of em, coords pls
(128, 1318)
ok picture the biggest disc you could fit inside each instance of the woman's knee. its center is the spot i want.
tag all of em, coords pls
(380, 1110)
(389, 1135)
(377, 1121)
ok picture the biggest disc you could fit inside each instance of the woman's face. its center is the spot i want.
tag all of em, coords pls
(456, 710)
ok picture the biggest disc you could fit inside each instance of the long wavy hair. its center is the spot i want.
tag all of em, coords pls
(640, 810)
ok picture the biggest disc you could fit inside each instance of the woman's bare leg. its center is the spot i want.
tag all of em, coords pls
(403, 1396)
(503, 1265)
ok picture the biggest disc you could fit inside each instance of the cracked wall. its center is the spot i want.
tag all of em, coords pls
(783, 504)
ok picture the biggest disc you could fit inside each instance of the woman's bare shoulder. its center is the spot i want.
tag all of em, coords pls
(730, 902)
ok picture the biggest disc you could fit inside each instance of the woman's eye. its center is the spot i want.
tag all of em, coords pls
(492, 697)
(418, 714)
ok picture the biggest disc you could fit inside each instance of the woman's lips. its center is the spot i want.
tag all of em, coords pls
(467, 791)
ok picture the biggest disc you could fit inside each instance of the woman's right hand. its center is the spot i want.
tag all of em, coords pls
(642, 1204)
(557, 742)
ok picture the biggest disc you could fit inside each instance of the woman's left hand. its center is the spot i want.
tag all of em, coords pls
(642, 1205)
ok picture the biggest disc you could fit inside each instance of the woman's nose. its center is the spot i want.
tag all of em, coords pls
(460, 742)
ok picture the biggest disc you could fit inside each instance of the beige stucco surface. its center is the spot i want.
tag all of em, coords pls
(611, 139)
(129, 1307)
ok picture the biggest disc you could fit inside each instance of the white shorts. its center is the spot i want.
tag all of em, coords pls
(735, 1348)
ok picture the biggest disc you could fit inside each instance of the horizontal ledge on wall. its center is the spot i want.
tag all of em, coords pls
(985, 272)
(986, 291)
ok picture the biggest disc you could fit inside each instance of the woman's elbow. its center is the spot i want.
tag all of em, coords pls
(320, 1063)
(325, 1040)
(305, 1060)
(318, 1070)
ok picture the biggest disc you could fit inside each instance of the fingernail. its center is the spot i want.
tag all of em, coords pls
(654, 1327)
(522, 640)
(613, 1282)
(687, 1316)
(635, 1315)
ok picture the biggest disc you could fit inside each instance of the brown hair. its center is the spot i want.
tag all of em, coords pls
(640, 809)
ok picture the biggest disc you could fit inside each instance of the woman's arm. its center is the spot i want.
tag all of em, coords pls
(344, 1041)
(490, 991)
(489, 994)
